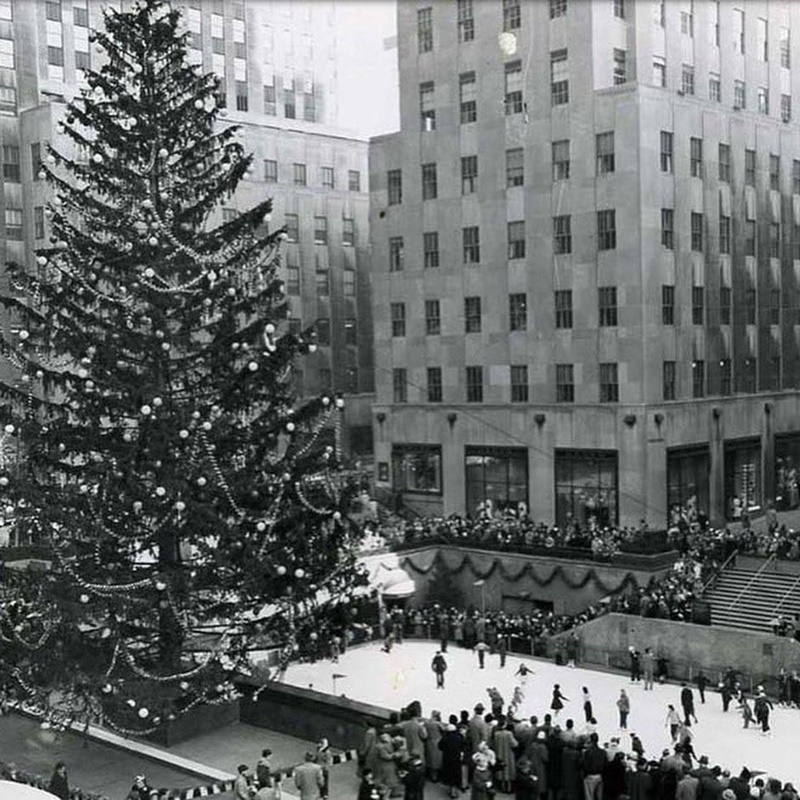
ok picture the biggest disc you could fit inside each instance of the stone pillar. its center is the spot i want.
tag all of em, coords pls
(716, 478)
(767, 457)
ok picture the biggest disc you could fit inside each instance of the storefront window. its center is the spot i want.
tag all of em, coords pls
(787, 462)
(497, 479)
(742, 477)
(687, 483)
(586, 487)
(417, 468)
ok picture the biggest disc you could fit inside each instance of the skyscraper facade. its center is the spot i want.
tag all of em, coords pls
(586, 259)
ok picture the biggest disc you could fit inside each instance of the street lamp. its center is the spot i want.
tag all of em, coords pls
(482, 584)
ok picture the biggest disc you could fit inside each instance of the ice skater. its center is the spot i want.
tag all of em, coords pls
(439, 666)
(558, 701)
(649, 663)
(762, 708)
(636, 664)
(587, 703)
(481, 649)
(687, 701)
(624, 707)
(523, 670)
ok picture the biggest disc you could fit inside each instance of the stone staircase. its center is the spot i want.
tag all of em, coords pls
(751, 598)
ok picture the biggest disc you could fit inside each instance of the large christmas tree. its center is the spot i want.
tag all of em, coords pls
(191, 506)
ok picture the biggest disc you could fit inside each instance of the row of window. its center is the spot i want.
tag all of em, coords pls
(292, 226)
(327, 176)
(511, 19)
(605, 163)
(322, 279)
(520, 392)
(322, 328)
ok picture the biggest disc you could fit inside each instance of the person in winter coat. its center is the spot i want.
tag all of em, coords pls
(481, 786)
(414, 732)
(505, 746)
(624, 707)
(386, 764)
(433, 755)
(614, 774)
(539, 757)
(59, 785)
(687, 701)
(640, 782)
(367, 753)
(452, 747)
(762, 708)
(525, 783)
(571, 772)
(439, 667)
(367, 789)
(747, 712)
(557, 702)
(412, 776)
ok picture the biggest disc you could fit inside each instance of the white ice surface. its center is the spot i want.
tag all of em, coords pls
(394, 680)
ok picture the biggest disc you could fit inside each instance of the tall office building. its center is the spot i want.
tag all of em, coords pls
(278, 68)
(586, 258)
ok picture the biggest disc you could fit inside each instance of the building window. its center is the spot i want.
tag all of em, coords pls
(399, 385)
(417, 468)
(659, 72)
(697, 232)
(55, 56)
(53, 10)
(394, 180)
(725, 163)
(289, 104)
(241, 96)
(620, 66)
(11, 171)
(738, 30)
(687, 79)
(425, 30)
(270, 171)
(323, 328)
(270, 104)
(398, 317)
(466, 20)
(698, 305)
(469, 174)
(607, 306)
(796, 176)
(725, 376)
(668, 228)
(353, 180)
(688, 471)
(696, 157)
(299, 172)
(325, 378)
(565, 383)
(714, 87)
(430, 185)
(604, 147)
(7, 53)
(396, 257)
(348, 231)
(327, 176)
(562, 235)
(80, 16)
(513, 87)
(558, 8)
(561, 160)
(750, 167)
(687, 23)
(786, 108)
(559, 80)
(667, 304)
(36, 159)
(38, 222)
(472, 315)
(474, 384)
(774, 306)
(519, 383)
(763, 100)
(606, 229)
(427, 109)
(321, 230)
(563, 299)
(698, 378)
(518, 312)
(512, 18)
(785, 48)
(775, 240)
(471, 244)
(351, 380)
(350, 331)
(609, 387)
(749, 237)
(515, 167)
(666, 151)
(295, 326)
(292, 280)
(775, 173)
(739, 95)
(619, 9)
(586, 488)
(430, 249)
(292, 225)
(349, 283)
(434, 384)
(724, 235)
(433, 318)
(8, 94)
(725, 298)
(762, 39)
(496, 477)
(323, 283)
(467, 97)
(796, 242)
(668, 380)
(715, 22)
(516, 239)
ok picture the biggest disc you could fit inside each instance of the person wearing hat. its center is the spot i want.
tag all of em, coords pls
(539, 757)
(525, 783)
(762, 708)
(637, 746)
(480, 648)
(58, 785)
(687, 787)
(264, 767)
(141, 790)
(478, 730)
(452, 746)
(624, 708)
(241, 786)
(308, 778)
(439, 666)
(740, 785)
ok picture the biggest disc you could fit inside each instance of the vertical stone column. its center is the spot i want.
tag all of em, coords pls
(716, 478)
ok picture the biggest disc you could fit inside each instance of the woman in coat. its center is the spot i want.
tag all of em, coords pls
(539, 756)
(505, 746)
(614, 774)
(558, 700)
(452, 746)
(433, 755)
(385, 769)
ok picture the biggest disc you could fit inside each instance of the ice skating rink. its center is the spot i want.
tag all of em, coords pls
(393, 680)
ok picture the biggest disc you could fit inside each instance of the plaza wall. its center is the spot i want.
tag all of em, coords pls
(514, 581)
(689, 648)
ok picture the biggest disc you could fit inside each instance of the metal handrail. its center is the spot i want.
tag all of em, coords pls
(752, 580)
(788, 592)
(715, 576)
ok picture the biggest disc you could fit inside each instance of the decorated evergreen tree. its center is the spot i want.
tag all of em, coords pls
(191, 505)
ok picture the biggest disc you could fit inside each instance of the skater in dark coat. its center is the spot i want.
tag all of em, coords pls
(762, 706)
(687, 701)
(558, 700)
(453, 746)
(439, 666)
